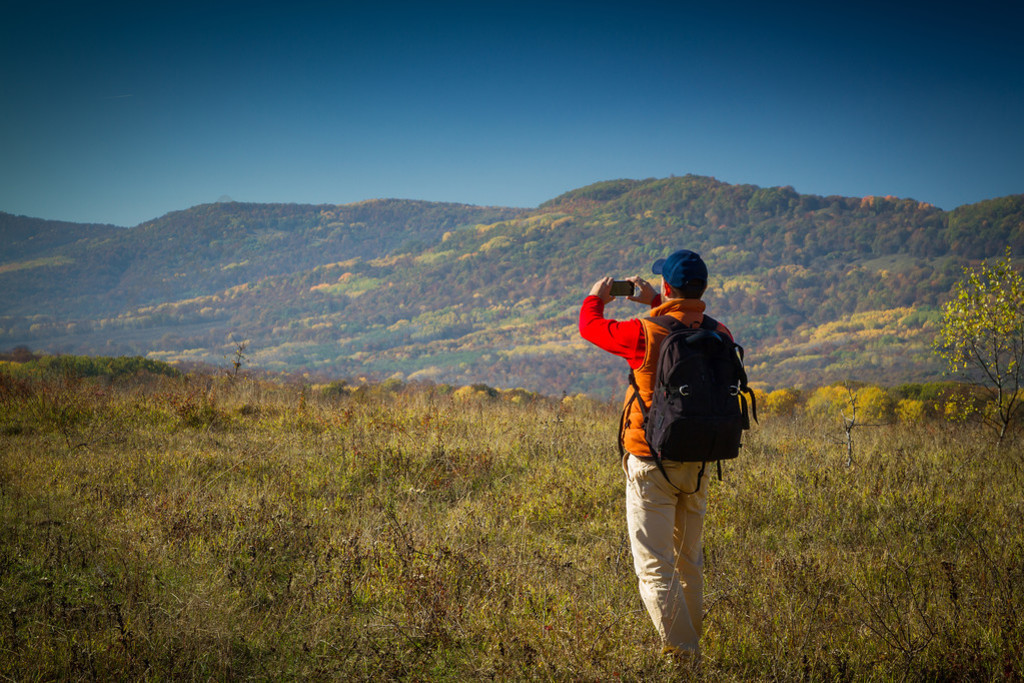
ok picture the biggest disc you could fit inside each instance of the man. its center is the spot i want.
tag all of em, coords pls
(664, 508)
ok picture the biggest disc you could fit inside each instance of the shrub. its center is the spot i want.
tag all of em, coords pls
(474, 393)
(781, 402)
(910, 411)
(828, 402)
(873, 404)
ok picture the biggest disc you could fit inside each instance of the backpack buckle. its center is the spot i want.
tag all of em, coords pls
(734, 389)
(684, 390)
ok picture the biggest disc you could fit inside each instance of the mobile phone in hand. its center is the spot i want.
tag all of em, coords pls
(622, 288)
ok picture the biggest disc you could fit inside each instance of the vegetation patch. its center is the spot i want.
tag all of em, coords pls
(36, 263)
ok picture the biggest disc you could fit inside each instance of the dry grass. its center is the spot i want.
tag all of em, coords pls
(199, 527)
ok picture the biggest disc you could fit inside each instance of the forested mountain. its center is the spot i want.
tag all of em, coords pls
(210, 247)
(816, 288)
(23, 238)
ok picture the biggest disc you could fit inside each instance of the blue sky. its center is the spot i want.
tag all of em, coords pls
(120, 112)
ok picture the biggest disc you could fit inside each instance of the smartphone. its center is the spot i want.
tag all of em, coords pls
(622, 288)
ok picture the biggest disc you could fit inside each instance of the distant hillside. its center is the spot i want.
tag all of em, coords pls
(816, 288)
(23, 238)
(207, 248)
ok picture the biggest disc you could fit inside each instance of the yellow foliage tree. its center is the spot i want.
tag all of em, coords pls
(910, 411)
(780, 402)
(982, 336)
(874, 404)
(473, 394)
(828, 401)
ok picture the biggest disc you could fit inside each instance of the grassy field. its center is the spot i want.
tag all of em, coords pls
(230, 528)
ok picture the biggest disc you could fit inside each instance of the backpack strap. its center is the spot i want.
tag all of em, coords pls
(700, 475)
(743, 388)
(670, 323)
(625, 413)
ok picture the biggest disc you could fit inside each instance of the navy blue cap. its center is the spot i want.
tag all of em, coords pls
(681, 267)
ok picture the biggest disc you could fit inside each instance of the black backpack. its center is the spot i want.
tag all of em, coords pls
(699, 407)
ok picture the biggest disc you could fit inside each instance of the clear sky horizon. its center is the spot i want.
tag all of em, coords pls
(116, 112)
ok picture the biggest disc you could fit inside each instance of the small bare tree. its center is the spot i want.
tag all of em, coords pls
(239, 359)
(849, 423)
(851, 416)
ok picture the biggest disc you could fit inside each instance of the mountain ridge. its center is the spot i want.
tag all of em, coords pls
(818, 288)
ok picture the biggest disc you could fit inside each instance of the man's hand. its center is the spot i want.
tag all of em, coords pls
(602, 289)
(645, 293)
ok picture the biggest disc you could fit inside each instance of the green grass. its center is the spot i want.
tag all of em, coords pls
(198, 527)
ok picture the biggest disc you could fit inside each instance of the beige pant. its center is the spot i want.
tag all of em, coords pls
(665, 528)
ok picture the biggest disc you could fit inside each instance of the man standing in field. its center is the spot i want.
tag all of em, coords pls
(664, 506)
